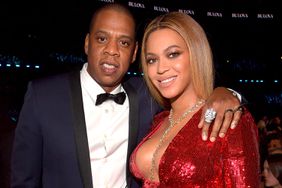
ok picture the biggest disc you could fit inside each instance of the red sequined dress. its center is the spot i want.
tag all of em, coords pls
(232, 161)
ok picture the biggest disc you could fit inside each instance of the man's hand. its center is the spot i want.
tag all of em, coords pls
(228, 113)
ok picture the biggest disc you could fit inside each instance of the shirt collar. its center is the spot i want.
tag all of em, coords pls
(91, 86)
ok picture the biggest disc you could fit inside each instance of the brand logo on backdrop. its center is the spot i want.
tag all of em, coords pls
(161, 9)
(137, 5)
(239, 15)
(189, 12)
(214, 14)
(107, 1)
(265, 16)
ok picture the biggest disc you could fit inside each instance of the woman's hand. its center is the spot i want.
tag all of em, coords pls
(226, 104)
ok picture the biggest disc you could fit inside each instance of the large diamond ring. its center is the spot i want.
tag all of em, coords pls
(210, 115)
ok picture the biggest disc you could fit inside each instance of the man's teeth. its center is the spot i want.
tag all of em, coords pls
(109, 66)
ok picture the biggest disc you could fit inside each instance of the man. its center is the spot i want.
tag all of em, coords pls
(64, 140)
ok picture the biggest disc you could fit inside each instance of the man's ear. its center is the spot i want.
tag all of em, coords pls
(86, 42)
(135, 52)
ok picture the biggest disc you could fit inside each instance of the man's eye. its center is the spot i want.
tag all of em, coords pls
(124, 43)
(101, 39)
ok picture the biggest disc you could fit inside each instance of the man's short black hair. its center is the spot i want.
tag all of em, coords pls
(112, 6)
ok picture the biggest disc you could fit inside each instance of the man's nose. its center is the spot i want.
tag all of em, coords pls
(111, 48)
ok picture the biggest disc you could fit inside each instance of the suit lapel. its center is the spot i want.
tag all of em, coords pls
(80, 133)
(80, 128)
(133, 124)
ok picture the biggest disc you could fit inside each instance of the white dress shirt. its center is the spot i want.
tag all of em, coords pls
(107, 131)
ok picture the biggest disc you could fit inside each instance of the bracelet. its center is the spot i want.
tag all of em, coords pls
(235, 94)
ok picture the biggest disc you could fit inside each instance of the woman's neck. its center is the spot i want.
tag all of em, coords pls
(183, 102)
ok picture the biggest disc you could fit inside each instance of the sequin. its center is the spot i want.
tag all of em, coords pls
(232, 161)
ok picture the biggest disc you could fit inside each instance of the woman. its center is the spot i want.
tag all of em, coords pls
(272, 171)
(177, 66)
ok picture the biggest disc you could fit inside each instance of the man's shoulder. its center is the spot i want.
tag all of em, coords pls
(135, 79)
(136, 82)
(52, 86)
(54, 80)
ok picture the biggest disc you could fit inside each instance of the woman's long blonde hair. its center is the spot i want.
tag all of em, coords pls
(202, 70)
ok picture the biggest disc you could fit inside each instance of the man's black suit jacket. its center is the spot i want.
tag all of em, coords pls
(50, 147)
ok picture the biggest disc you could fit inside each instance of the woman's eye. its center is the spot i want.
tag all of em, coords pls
(173, 54)
(151, 60)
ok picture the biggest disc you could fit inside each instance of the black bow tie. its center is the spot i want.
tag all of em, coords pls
(118, 98)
